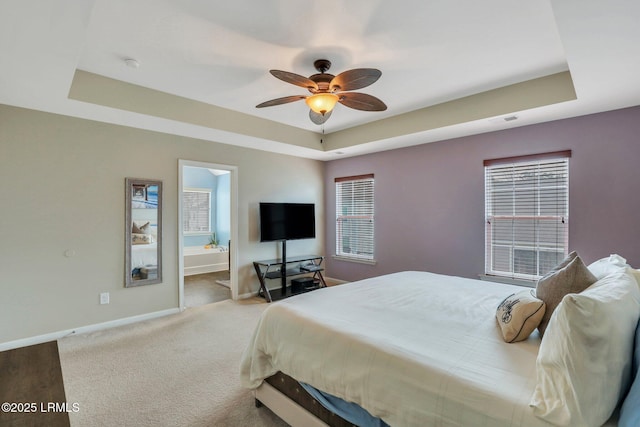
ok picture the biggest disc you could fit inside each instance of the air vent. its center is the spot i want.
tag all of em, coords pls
(497, 120)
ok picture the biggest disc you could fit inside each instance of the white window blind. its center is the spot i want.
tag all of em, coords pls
(527, 214)
(196, 211)
(354, 217)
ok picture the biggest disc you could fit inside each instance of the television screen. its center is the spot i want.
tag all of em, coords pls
(287, 221)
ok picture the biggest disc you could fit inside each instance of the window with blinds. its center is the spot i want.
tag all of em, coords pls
(196, 211)
(527, 214)
(354, 217)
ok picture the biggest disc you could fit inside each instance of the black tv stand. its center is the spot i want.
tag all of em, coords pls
(281, 268)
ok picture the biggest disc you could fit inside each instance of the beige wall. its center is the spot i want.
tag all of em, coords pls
(62, 189)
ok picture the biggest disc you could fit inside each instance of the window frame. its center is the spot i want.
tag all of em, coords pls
(560, 221)
(186, 191)
(366, 211)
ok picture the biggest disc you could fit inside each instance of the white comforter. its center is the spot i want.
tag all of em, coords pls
(143, 255)
(413, 348)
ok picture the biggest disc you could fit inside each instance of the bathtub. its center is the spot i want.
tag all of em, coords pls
(198, 260)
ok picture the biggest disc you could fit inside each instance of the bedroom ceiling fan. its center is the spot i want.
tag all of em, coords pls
(327, 90)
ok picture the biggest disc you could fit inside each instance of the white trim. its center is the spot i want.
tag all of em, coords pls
(85, 329)
(181, 303)
(523, 207)
(355, 204)
(248, 295)
(508, 280)
(198, 190)
(206, 268)
(288, 410)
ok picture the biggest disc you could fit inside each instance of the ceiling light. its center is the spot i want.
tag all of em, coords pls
(322, 103)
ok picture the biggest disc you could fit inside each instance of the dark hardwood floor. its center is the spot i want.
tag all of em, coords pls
(31, 387)
(202, 289)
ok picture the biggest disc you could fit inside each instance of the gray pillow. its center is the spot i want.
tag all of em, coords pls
(140, 229)
(571, 276)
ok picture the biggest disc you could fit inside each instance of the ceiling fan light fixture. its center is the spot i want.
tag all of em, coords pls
(322, 103)
(327, 90)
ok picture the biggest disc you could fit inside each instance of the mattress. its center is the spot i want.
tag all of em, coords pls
(144, 255)
(412, 348)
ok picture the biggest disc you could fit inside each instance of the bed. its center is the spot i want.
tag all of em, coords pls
(144, 254)
(410, 348)
(144, 243)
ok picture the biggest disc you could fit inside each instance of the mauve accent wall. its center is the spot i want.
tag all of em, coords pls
(429, 204)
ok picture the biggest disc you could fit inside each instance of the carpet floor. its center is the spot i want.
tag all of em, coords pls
(179, 370)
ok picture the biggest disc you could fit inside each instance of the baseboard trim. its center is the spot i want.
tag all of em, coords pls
(208, 268)
(53, 336)
(248, 295)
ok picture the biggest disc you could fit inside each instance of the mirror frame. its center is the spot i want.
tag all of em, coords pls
(130, 183)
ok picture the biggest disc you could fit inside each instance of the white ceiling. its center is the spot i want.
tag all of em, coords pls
(219, 53)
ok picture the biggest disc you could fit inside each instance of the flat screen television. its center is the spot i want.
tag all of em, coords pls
(287, 221)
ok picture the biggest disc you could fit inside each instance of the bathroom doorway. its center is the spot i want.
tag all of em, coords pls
(207, 229)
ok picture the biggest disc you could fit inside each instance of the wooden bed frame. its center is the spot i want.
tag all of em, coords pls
(290, 401)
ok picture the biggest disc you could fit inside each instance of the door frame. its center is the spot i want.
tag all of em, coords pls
(233, 249)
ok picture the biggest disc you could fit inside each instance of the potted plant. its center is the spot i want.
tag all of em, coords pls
(213, 240)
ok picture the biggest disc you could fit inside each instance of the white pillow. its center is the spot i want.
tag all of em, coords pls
(584, 361)
(605, 266)
(636, 274)
(141, 239)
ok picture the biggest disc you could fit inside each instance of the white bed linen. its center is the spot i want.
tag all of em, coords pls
(412, 348)
(143, 255)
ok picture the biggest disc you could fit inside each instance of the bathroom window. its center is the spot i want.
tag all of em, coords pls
(196, 205)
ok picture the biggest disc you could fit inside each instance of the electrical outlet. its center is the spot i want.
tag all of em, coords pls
(104, 298)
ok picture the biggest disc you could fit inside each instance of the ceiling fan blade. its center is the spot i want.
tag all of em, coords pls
(354, 79)
(361, 101)
(318, 118)
(278, 101)
(295, 79)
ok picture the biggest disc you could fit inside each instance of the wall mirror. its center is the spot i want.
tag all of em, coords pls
(143, 232)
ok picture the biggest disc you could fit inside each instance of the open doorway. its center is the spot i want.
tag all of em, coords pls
(207, 233)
